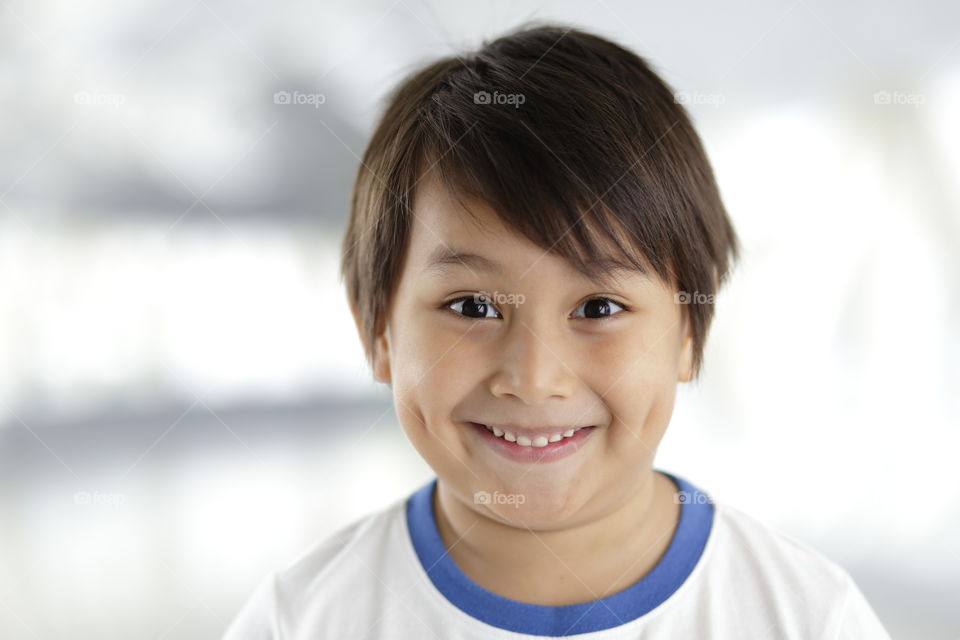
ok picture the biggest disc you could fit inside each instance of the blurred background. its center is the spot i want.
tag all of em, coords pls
(184, 404)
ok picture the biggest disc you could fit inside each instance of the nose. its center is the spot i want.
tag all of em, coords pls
(532, 365)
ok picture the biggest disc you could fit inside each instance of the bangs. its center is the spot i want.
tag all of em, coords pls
(569, 208)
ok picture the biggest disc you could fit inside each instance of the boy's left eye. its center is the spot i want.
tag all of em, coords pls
(600, 306)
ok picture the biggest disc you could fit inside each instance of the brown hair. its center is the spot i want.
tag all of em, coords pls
(572, 140)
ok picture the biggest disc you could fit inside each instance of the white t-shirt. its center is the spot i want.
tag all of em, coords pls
(723, 576)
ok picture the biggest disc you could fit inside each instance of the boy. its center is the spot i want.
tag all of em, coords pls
(533, 249)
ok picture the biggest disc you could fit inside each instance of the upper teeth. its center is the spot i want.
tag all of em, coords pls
(524, 441)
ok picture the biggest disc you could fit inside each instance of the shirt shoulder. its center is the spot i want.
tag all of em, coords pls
(773, 555)
(798, 587)
(314, 583)
(349, 545)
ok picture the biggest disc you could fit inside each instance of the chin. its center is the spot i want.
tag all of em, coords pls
(530, 509)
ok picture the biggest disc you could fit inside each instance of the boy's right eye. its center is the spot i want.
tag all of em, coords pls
(473, 307)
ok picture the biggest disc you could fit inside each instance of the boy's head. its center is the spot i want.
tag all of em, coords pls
(535, 242)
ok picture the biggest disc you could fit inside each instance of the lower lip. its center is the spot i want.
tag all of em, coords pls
(551, 452)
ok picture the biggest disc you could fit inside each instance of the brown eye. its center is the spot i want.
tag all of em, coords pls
(598, 308)
(473, 307)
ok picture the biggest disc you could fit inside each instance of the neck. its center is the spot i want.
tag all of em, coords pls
(566, 565)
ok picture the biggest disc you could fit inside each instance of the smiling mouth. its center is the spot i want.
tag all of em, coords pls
(527, 439)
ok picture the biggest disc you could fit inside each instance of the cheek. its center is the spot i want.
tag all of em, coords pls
(639, 379)
(433, 369)
(429, 346)
(639, 422)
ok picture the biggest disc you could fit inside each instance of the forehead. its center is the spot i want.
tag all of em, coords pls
(453, 232)
(450, 233)
(439, 215)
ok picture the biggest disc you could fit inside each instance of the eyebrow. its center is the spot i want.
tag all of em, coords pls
(444, 257)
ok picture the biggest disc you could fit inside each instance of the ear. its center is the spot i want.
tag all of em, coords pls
(381, 356)
(379, 351)
(686, 345)
(686, 350)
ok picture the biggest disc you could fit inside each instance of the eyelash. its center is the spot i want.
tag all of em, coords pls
(625, 308)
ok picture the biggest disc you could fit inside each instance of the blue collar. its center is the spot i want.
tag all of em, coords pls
(685, 549)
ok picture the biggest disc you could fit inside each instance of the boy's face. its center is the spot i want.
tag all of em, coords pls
(542, 356)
